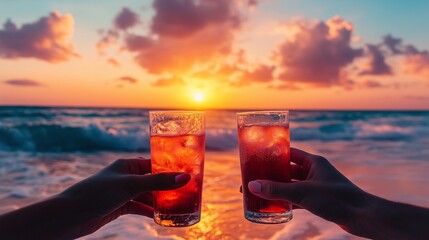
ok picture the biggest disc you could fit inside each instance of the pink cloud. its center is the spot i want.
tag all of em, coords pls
(128, 79)
(113, 62)
(126, 19)
(417, 64)
(164, 82)
(284, 87)
(416, 61)
(23, 83)
(46, 39)
(136, 42)
(252, 3)
(184, 34)
(185, 37)
(393, 44)
(261, 74)
(376, 62)
(318, 52)
(196, 40)
(371, 84)
(182, 18)
(109, 38)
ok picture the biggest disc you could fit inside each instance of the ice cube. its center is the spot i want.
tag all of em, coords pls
(169, 127)
(254, 134)
(162, 160)
(190, 142)
(278, 150)
(279, 134)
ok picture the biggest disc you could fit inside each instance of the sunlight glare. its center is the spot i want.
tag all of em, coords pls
(198, 97)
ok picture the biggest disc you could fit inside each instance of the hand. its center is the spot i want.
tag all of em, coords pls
(321, 189)
(121, 188)
(124, 187)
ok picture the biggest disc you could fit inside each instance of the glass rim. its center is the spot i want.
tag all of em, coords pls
(176, 112)
(262, 112)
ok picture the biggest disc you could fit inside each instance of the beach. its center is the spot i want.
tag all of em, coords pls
(45, 150)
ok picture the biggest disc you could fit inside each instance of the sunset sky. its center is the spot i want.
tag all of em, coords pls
(293, 54)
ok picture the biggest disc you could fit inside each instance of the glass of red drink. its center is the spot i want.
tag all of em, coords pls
(264, 143)
(177, 144)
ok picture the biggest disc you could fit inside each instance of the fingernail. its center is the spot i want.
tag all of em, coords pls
(255, 187)
(182, 178)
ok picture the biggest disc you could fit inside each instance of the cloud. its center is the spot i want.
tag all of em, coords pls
(416, 61)
(113, 62)
(195, 42)
(261, 74)
(393, 44)
(284, 87)
(417, 64)
(185, 34)
(109, 38)
(128, 79)
(23, 83)
(182, 18)
(317, 53)
(252, 3)
(126, 19)
(371, 84)
(46, 39)
(163, 82)
(377, 63)
(184, 38)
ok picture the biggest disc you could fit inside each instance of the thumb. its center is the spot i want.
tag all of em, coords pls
(271, 190)
(159, 181)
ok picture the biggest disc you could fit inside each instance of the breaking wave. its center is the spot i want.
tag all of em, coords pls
(85, 130)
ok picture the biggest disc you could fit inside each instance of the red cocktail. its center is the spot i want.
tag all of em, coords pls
(264, 142)
(178, 146)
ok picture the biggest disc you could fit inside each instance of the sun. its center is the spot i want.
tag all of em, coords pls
(198, 97)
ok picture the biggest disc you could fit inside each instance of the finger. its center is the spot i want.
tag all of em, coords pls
(299, 157)
(137, 166)
(145, 198)
(297, 172)
(152, 182)
(294, 191)
(294, 206)
(133, 207)
(241, 187)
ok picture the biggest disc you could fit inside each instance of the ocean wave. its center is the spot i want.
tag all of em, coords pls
(57, 138)
(51, 113)
(85, 130)
(94, 137)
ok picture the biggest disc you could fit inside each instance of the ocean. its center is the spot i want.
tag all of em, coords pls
(45, 149)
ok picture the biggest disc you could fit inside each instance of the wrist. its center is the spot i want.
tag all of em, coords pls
(379, 218)
(361, 215)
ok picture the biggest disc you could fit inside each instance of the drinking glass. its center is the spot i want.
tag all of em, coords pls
(264, 143)
(177, 144)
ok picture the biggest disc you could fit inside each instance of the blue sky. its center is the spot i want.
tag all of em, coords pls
(372, 19)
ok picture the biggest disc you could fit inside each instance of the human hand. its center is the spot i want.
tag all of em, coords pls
(124, 187)
(321, 189)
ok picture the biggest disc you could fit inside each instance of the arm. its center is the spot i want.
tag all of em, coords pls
(121, 188)
(325, 192)
(384, 219)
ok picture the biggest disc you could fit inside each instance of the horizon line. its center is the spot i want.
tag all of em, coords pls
(212, 108)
